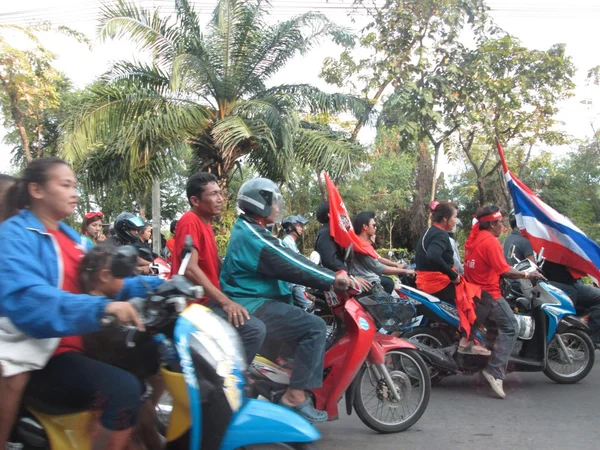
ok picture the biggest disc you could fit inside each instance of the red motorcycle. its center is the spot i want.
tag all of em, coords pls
(382, 376)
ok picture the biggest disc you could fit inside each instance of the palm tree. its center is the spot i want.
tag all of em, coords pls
(207, 90)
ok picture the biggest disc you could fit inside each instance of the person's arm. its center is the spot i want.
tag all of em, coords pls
(35, 306)
(435, 249)
(235, 311)
(498, 264)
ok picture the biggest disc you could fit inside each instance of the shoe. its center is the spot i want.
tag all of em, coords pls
(495, 383)
(308, 411)
(471, 348)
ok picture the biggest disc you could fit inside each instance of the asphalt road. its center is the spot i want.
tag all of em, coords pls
(464, 414)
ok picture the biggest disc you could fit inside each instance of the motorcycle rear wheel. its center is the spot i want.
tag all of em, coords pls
(410, 374)
(580, 346)
(283, 446)
(434, 338)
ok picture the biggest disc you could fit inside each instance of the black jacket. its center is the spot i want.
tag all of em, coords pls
(331, 254)
(434, 252)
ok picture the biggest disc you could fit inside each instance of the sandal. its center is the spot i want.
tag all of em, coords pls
(307, 410)
(473, 349)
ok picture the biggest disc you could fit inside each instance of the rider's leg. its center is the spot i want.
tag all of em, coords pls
(290, 324)
(387, 284)
(589, 297)
(252, 333)
(74, 380)
(503, 317)
(11, 392)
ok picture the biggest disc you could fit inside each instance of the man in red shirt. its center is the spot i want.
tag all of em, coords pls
(206, 201)
(484, 265)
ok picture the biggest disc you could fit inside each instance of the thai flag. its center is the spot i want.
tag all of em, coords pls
(562, 241)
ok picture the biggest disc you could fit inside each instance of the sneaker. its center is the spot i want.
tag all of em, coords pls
(495, 383)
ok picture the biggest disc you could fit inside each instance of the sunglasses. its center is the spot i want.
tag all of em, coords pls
(91, 215)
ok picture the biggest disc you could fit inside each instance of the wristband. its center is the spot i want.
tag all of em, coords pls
(525, 275)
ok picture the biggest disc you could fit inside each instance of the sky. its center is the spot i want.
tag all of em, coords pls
(537, 23)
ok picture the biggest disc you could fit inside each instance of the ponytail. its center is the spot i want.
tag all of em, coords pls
(17, 197)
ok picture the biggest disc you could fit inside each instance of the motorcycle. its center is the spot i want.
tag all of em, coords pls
(551, 339)
(210, 409)
(382, 377)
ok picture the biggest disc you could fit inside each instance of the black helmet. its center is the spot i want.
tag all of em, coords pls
(173, 226)
(290, 222)
(126, 222)
(258, 197)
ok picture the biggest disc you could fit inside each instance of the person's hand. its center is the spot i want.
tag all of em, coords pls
(311, 298)
(410, 272)
(125, 313)
(365, 285)
(235, 313)
(342, 281)
(101, 238)
(401, 265)
(536, 274)
(456, 280)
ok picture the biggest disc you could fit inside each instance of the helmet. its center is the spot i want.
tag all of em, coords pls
(289, 222)
(126, 222)
(262, 198)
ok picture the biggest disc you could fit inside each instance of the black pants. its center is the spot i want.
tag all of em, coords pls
(76, 381)
(585, 297)
(387, 284)
(304, 332)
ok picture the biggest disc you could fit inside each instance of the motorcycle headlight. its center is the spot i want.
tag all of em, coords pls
(223, 351)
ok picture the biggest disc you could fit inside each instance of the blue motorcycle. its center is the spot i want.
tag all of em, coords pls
(551, 339)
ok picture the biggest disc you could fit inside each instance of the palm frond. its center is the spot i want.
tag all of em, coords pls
(145, 28)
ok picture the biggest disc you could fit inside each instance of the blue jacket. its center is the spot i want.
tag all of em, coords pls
(257, 267)
(29, 291)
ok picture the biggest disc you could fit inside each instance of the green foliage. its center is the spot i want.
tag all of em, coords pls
(206, 90)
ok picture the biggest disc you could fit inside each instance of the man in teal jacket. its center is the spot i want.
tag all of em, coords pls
(256, 273)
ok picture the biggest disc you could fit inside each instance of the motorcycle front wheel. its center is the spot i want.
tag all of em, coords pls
(375, 403)
(576, 366)
(283, 446)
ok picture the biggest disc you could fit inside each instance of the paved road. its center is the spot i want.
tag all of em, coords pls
(463, 414)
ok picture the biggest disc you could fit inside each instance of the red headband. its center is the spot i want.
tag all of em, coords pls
(91, 215)
(491, 217)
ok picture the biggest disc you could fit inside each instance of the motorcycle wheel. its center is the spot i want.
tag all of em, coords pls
(283, 446)
(581, 349)
(373, 402)
(433, 338)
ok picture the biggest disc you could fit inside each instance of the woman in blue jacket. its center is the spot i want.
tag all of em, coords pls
(39, 299)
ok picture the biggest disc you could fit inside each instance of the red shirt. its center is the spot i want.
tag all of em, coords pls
(203, 237)
(485, 263)
(171, 246)
(70, 255)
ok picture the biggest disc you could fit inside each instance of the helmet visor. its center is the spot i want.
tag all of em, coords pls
(277, 208)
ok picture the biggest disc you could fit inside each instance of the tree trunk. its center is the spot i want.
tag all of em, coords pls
(24, 139)
(378, 95)
(436, 157)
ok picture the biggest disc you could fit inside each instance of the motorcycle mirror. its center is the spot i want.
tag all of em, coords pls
(186, 254)
(124, 262)
(391, 254)
(512, 254)
(349, 256)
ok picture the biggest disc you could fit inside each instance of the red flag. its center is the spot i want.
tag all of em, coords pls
(340, 224)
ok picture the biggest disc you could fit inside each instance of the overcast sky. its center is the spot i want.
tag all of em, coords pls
(537, 23)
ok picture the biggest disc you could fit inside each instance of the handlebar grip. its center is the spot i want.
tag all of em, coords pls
(108, 320)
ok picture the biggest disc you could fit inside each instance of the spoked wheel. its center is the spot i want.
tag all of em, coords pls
(282, 446)
(570, 357)
(433, 338)
(375, 403)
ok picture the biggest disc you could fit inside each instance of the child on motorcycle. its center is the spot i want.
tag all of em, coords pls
(108, 346)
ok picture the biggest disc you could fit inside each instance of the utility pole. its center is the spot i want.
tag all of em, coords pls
(156, 220)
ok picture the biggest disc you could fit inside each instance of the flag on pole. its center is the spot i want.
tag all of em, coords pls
(340, 224)
(562, 241)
